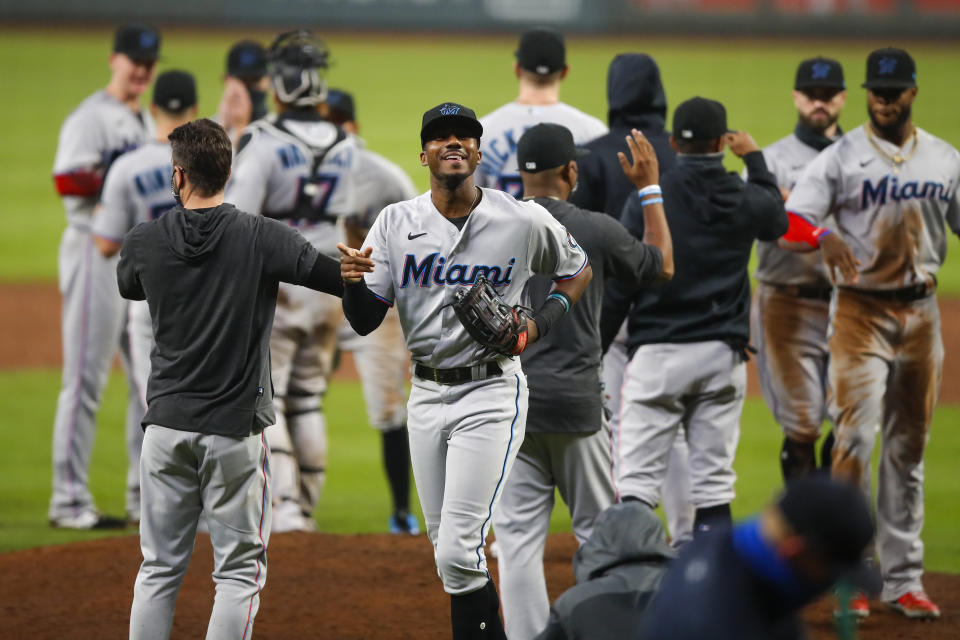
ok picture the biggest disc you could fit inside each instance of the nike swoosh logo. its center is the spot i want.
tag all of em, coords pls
(412, 236)
(864, 163)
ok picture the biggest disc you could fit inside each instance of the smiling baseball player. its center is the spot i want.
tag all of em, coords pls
(467, 409)
(892, 190)
(105, 126)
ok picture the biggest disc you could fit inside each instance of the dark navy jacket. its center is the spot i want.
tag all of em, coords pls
(636, 101)
(714, 218)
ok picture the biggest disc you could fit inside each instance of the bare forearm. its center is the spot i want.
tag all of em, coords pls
(656, 232)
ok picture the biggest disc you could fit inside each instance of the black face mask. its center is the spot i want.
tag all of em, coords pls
(259, 101)
(174, 189)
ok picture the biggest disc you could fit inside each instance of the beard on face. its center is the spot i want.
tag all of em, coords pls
(893, 129)
(820, 125)
(452, 181)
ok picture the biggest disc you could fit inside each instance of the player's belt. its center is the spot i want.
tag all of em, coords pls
(810, 293)
(458, 375)
(907, 294)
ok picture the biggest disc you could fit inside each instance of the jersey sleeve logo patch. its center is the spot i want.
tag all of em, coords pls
(433, 270)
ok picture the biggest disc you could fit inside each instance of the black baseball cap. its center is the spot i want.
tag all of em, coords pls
(700, 119)
(819, 72)
(541, 51)
(137, 42)
(341, 101)
(453, 115)
(834, 520)
(890, 68)
(247, 60)
(546, 146)
(175, 91)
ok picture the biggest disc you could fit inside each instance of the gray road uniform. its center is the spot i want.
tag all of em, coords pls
(136, 190)
(502, 130)
(381, 357)
(299, 169)
(886, 352)
(566, 446)
(464, 435)
(790, 313)
(95, 134)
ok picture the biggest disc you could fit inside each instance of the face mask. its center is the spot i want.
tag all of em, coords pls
(174, 189)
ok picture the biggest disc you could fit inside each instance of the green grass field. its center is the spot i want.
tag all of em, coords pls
(48, 72)
(355, 497)
(395, 79)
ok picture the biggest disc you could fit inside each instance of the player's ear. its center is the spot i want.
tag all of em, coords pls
(673, 144)
(516, 69)
(842, 98)
(564, 71)
(423, 158)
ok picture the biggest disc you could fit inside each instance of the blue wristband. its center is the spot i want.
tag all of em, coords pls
(652, 190)
(563, 298)
(654, 201)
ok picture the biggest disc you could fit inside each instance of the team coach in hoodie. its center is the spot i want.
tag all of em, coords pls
(209, 274)
(688, 338)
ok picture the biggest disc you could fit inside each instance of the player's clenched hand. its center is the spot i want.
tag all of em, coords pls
(643, 170)
(741, 143)
(838, 257)
(354, 263)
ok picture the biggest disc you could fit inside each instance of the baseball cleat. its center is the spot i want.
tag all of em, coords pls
(401, 523)
(88, 520)
(288, 517)
(857, 608)
(916, 604)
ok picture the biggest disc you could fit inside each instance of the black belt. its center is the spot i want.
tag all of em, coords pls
(810, 293)
(458, 375)
(907, 294)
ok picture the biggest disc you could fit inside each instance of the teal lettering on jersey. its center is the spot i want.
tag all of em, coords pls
(889, 188)
(495, 158)
(153, 180)
(434, 270)
(290, 156)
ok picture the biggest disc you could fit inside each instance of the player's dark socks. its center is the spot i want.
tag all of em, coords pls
(826, 452)
(476, 615)
(711, 517)
(797, 459)
(396, 462)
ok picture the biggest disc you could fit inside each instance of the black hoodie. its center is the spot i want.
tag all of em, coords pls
(210, 278)
(636, 101)
(714, 219)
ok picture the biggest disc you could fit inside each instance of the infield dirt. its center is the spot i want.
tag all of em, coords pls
(320, 586)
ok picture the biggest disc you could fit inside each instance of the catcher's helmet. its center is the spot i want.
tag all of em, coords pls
(295, 61)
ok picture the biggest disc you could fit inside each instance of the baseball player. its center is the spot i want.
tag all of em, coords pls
(688, 338)
(468, 405)
(136, 190)
(245, 88)
(540, 67)
(891, 188)
(789, 316)
(381, 358)
(209, 274)
(106, 125)
(566, 446)
(298, 168)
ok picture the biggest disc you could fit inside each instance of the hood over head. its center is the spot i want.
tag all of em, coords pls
(195, 234)
(624, 533)
(635, 93)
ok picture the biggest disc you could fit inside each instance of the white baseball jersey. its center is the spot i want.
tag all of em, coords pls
(378, 183)
(137, 189)
(95, 134)
(787, 158)
(894, 219)
(422, 259)
(274, 174)
(502, 130)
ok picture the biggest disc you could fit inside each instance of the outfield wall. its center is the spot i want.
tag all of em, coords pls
(893, 18)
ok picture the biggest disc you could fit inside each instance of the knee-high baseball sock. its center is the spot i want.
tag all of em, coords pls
(710, 517)
(476, 615)
(826, 451)
(797, 459)
(308, 431)
(396, 463)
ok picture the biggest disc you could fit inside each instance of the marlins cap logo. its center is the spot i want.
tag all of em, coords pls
(449, 110)
(886, 66)
(820, 70)
(147, 39)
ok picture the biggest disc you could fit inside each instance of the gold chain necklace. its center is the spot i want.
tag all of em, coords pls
(898, 158)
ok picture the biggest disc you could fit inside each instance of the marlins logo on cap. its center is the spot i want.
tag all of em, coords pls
(449, 109)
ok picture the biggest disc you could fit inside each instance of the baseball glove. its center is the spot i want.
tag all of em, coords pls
(500, 328)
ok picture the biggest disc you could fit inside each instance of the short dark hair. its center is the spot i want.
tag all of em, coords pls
(695, 147)
(203, 149)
